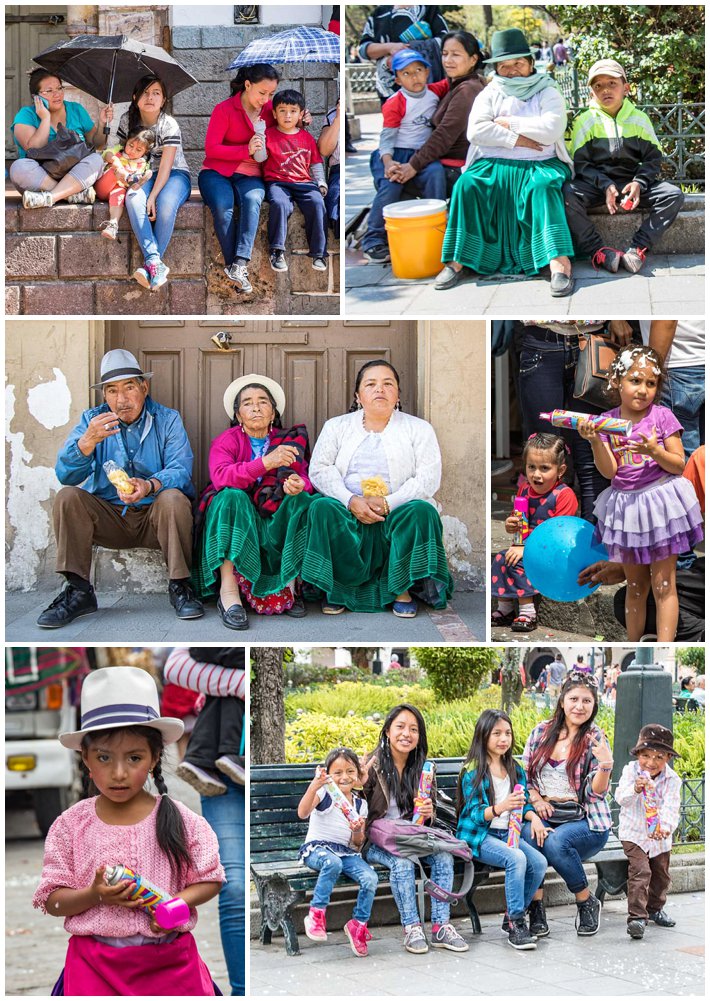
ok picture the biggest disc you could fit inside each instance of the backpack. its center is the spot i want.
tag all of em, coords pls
(412, 841)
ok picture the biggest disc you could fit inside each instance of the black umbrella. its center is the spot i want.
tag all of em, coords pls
(108, 66)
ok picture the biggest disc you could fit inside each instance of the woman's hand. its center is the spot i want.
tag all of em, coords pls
(150, 206)
(424, 807)
(588, 431)
(513, 801)
(542, 807)
(106, 115)
(539, 831)
(360, 507)
(284, 455)
(601, 751)
(256, 143)
(514, 556)
(41, 110)
(295, 484)
(527, 143)
(621, 332)
(378, 504)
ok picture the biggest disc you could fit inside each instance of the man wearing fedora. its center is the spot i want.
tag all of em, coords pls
(150, 443)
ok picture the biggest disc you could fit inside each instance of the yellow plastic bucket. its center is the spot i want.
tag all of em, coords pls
(415, 231)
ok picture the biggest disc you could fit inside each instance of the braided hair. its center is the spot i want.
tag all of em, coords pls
(169, 826)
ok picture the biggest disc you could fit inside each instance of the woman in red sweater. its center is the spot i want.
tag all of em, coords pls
(231, 181)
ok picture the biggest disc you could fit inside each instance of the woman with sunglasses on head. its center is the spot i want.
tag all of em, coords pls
(568, 763)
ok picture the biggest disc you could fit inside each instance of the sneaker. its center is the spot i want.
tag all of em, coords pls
(636, 928)
(588, 916)
(238, 274)
(358, 936)
(37, 200)
(277, 259)
(87, 197)
(142, 277)
(183, 600)
(67, 606)
(519, 935)
(661, 918)
(415, 939)
(446, 937)
(233, 767)
(110, 229)
(607, 258)
(319, 264)
(157, 274)
(538, 919)
(314, 925)
(377, 255)
(634, 259)
(206, 782)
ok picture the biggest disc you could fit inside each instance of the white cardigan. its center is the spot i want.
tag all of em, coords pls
(543, 118)
(411, 448)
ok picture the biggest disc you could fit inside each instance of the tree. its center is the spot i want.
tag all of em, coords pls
(691, 656)
(362, 656)
(512, 682)
(268, 726)
(456, 672)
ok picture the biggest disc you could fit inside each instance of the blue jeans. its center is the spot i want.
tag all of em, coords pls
(226, 197)
(524, 868)
(548, 362)
(281, 196)
(403, 875)
(153, 238)
(331, 866)
(332, 199)
(225, 815)
(684, 394)
(567, 847)
(429, 182)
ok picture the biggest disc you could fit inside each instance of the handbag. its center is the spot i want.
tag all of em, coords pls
(564, 811)
(414, 841)
(60, 154)
(591, 377)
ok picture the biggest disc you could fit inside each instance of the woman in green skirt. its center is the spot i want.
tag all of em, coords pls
(507, 213)
(375, 537)
(252, 517)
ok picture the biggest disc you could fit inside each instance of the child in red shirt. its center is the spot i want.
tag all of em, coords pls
(294, 172)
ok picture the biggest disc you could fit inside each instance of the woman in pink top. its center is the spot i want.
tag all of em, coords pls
(121, 741)
(230, 181)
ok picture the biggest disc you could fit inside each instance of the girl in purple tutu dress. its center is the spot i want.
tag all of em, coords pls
(547, 497)
(650, 513)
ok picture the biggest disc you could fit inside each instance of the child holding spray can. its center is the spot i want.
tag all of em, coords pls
(336, 834)
(649, 796)
(121, 741)
(493, 804)
(543, 496)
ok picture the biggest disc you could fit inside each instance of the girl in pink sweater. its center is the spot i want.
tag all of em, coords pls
(116, 945)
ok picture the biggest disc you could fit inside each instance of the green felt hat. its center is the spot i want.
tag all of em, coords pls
(509, 44)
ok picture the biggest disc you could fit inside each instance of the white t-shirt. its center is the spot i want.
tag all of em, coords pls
(501, 787)
(688, 347)
(368, 461)
(328, 824)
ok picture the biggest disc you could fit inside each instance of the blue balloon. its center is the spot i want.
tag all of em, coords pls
(556, 552)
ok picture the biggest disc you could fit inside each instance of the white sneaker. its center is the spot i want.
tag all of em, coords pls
(37, 200)
(110, 229)
(238, 274)
(86, 197)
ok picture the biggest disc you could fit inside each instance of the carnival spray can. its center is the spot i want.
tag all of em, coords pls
(340, 799)
(521, 506)
(169, 912)
(602, 422)
(650, 806)
(515, 821)
(426, 780)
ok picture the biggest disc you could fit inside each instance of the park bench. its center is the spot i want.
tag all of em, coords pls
(277, 833)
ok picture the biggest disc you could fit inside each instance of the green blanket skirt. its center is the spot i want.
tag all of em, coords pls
(365, 567)
(508, 217)
(267, 551)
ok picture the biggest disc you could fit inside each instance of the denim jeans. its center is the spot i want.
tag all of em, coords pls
(430, 182)
(332, 199)
(547, 368)
(403, 875)
(225, 815)
(684, 394)
(153, 238)
(567, 847)
(524, 868)
(331, 866)
(235, 204)
(281, 196)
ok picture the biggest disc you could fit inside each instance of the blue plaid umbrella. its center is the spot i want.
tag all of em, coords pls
(297, 45)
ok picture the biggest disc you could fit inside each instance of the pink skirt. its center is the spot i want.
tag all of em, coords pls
(94, 969)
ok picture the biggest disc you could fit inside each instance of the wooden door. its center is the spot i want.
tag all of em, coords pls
(315, 361)
(24, 39)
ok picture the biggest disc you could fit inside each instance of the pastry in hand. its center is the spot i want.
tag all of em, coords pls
(374, 486)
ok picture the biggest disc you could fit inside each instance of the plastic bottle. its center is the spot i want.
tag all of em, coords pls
(260, 130)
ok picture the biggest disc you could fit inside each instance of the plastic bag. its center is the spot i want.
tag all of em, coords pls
(62, 153)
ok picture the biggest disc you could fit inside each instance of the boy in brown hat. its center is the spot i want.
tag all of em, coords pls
(649, 796)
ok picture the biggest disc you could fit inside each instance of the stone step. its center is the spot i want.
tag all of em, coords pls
(131, 571)
(685, 236)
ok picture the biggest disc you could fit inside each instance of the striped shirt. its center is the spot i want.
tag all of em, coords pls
(595, 805)
(167, 136)
(210, 679)
(632, 816)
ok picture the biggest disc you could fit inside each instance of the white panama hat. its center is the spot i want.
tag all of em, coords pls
(234, 388)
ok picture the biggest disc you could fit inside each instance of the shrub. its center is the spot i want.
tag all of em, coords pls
(457, 672)
(360, 698)
(312, 735)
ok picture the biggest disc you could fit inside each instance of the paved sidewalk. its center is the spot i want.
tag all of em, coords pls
(666, 962)
(150, 617)
(668, 285)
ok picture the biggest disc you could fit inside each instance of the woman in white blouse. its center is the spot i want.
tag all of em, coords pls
(507, 211)
(375, 536)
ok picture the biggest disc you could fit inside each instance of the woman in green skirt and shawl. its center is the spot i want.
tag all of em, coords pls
(375, 536)
(253, 513)
(507, 213)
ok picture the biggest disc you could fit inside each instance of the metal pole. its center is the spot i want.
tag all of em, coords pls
(644, 695)
(107, 127)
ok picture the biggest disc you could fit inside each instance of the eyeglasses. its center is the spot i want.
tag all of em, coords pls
(48, 93)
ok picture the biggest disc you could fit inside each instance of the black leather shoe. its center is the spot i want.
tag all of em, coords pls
(67, 606)
(661, 918)
(298, 609)
(234, 617)
(183, 600)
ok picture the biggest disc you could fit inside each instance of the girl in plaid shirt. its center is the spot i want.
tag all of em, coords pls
(568, 763)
